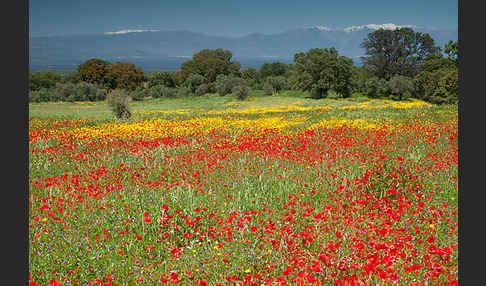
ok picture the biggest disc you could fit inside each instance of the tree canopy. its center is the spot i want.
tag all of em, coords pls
(94, 71)
(210, 64)
(397, 52)
(273, 69)
(124, 75)
(322, 70)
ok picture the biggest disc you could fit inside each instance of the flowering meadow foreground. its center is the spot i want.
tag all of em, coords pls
(331, 193)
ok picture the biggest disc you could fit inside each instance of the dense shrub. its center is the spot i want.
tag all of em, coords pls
(401, 87)
(267, 88)
(158, 91)
(276, 83)
(376, 87)
(164, 78)
(240, 91)
(63, 92)
(448, 89)
(43, 79)
(193, 81)
(331, 94)
(183, 92)
(87, 92)
(139, 93)
(202, 89)
(225, 83)
(118, 102)
(251, 77)
(41, 95)
(72, 77)
(272, 69)
(439, 86)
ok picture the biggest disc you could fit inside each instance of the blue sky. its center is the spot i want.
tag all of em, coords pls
(231, 18)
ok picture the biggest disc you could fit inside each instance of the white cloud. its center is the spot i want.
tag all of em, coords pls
(129, 31)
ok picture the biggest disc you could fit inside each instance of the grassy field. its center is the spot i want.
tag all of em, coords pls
(273, 190)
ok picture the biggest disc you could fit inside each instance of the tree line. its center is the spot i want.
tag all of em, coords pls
(398, 64)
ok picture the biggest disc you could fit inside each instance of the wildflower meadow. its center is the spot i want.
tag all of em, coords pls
(272, 190)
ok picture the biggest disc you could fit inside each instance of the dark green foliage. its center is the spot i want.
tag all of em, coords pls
(224, 84)
(240, 91)
(452, 50)
(448, 89)
(273, 69)
(397, 52)
(267, 88)
(276, 83)
(69, 92)
(41, 95)
(439, 87)
(64, 92)
(321, 70)
(158, 91)
(438, 80)
(193, 81)
(71, 77)
(43, 79)
(165, 78)
(82, 91)
(124, 75)
(87, 92)
(183, 92)
(401, 87)
(139, 93)
(202, 89)
(94, 71)
(359, 78)
(118, 101)
(251, 77)
(376, 87)
(210, 64)
(437, 62)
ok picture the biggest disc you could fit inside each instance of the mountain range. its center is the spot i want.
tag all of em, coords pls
(168, 49)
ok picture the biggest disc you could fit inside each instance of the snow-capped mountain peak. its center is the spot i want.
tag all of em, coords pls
(387, 26)
(324, 28)
(129, 31)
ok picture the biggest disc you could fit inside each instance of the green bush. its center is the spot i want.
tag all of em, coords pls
(72, 77)
(240, 91)
(202, 89)
(139, 93)
(164, 78)
(277, 83)
(43, 79)
(183, 92)
(401, 87)
(224, 84)
(118, 102)
(439, 86)
(267, 88)
(41, 95)
(64, 92)
(447, 90)
(84, 91)
(331, 94)
(193, 81)
(375, 87)
(158, 91)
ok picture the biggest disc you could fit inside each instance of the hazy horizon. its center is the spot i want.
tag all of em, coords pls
(231, 19)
